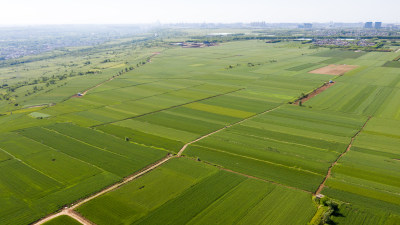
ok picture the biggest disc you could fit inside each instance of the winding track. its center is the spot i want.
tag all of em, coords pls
(322, 185)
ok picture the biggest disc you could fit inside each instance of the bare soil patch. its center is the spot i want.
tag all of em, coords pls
(334, 69)
(314, 93)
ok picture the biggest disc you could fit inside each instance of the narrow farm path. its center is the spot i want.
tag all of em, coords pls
(172, 107)
(69, 210)
(267, 181)
(110, 79)
(322, 185)
(230, 125)
(79, 217)
(252, 177)
(98, 85)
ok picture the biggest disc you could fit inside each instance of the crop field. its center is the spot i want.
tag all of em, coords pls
(369, 91)
(349, 215)
(302, 67)
(195, 193)
(395, 64)
(56, 165)
(291, 145)
(369, 174)
(171, 135)
(62, 220)
(335, 53)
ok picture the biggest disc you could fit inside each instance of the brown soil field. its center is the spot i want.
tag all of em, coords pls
(314, 93)
(334, 69)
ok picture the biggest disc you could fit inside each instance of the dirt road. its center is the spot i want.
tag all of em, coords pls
(112, 78)
(314, 93)
(340, 156)
(230, 125)
(70, 210)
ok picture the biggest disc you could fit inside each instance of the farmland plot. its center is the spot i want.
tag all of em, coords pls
(62, 220)
(285, 153)
(47, 169)
(191, 200)
(353, 215)
(185, 94)
(368, 176)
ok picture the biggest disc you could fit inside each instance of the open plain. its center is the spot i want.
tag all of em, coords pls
(162, 134)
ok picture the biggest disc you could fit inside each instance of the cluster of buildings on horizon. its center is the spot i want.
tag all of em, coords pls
(369, 25)
(263, 24)
(343, 42)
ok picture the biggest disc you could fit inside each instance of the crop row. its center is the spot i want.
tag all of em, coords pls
(194, 193)
(291, 145)
(368, 175)
(53, 166)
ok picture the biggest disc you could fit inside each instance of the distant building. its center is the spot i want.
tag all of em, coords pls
(368, 25)
(308, 25)
(258, 24)
(392, 26)
(378, 25)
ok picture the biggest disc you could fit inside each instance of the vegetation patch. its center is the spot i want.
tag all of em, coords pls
(302, 67)
(394, 64)
(39, 115)
(336, 53)
(62, 220)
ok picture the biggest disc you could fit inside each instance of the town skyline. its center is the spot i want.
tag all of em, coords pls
(23, 12)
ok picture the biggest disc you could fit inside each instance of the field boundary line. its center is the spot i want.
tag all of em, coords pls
(33, 168)
(133, 85)
(171, 107)
(133, 142)
(328, 175)
(221, 129)
(290, 143)
(130, 100)
(265, 161)
(108, 80)
(249, 176)
(264, 180)
(69, 210)
(85, 143)
(83, 161)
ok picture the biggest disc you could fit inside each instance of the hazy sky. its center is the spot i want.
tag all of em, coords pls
(167, 11)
